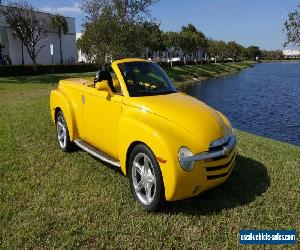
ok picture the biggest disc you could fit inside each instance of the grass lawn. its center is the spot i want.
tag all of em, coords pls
(179, 74)
(52, 199)
(191, 73)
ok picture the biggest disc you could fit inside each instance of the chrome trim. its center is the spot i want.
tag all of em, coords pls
(226, 150)
(220, 142)
(97, 153)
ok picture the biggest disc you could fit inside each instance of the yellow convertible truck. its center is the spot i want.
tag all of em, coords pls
(170, 145)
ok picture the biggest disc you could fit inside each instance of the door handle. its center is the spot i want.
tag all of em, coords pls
(82, 99)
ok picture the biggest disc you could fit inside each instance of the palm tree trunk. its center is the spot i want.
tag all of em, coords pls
(60, 49)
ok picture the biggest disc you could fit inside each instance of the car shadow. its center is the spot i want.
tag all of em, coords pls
(248, 180)
(115, 169)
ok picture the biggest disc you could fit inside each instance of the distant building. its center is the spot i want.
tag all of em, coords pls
(291, 53)
(176, 55)
(12, 46)
(82, 58)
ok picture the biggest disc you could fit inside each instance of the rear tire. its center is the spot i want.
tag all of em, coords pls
(145, 178)
(62, 131)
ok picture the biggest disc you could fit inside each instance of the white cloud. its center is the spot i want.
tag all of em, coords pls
(73, 9)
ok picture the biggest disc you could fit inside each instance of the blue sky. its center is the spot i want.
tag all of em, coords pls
(252, 22)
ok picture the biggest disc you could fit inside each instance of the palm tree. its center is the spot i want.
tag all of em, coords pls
(60, 25)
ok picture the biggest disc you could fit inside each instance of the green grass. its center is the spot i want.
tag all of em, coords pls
(193, 73)
(179, 74)
(50, 199)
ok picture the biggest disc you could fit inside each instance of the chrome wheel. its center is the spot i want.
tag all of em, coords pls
(143, 178)
(61, 132)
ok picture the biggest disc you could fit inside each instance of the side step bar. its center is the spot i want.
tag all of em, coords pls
(97, 153)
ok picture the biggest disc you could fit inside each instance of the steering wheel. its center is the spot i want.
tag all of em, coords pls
(148, 88)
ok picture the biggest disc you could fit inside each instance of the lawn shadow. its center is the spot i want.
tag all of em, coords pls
(248, 180)
(115, 169)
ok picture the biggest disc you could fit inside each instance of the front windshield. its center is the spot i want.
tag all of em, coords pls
(145, 78)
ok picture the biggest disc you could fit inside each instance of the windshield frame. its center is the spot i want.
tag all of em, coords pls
(170, 88)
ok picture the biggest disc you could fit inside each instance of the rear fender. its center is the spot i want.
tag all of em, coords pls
(59, 99)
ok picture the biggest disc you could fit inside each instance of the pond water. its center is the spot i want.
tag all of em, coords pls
(264, 100)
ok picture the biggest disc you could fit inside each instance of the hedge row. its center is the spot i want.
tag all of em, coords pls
(27, 70)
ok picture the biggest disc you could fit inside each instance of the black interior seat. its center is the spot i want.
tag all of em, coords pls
(105, 75)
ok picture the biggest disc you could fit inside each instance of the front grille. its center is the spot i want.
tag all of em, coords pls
(218, 148)
(219, 144)
(215, 168)
(212, 177)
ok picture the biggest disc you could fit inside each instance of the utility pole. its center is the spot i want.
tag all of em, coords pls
(52, 70)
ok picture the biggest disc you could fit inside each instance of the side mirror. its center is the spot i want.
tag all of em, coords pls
(103, 86)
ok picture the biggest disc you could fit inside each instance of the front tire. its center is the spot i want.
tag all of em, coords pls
(145, 178)
(62, 130)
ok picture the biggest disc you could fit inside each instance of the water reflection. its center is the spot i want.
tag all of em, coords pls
(264, 100)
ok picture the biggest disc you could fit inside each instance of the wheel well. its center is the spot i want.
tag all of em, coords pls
(57, 109)
(129, 150)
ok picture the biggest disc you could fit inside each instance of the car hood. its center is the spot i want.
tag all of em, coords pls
(203, 122)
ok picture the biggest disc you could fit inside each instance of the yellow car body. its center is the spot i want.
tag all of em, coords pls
(114, 123)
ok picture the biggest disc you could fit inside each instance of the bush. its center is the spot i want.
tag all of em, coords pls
(27, 70)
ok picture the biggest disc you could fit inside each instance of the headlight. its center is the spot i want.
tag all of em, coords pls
(183, 153)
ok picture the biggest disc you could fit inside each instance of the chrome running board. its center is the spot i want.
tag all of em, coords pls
(96, 152)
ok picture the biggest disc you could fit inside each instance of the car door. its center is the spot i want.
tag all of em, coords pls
(101, 116)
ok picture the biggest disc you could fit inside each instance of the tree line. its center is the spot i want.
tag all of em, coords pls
(125, 28)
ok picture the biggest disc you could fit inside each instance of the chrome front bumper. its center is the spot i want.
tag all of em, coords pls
(224, 147)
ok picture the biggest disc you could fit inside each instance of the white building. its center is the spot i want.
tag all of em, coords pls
(13, 46)
(291, 53)
(82, 58)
